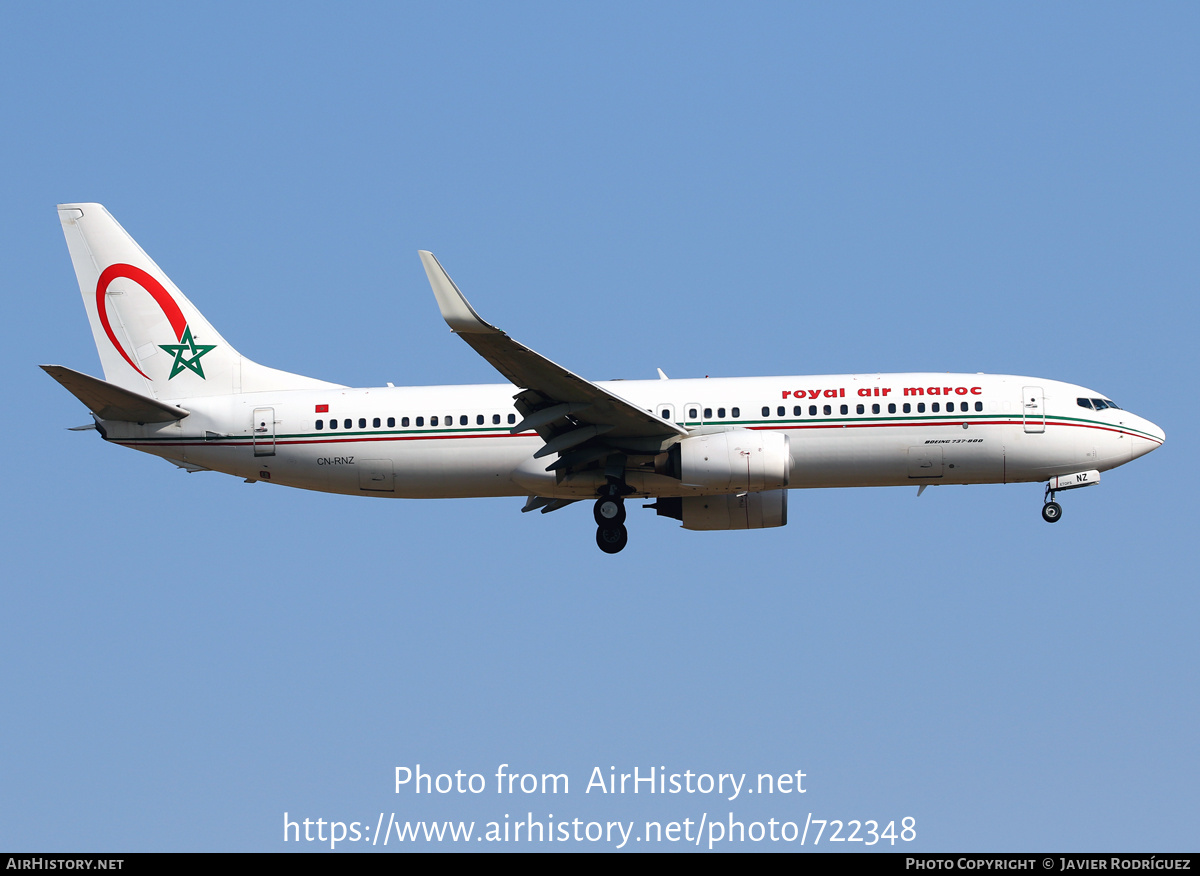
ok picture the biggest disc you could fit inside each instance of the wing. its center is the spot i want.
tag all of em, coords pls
(567, 411)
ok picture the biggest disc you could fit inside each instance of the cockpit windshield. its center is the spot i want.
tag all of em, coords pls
(1097, 404)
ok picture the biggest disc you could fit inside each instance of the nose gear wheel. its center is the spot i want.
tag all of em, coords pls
(1051, 510)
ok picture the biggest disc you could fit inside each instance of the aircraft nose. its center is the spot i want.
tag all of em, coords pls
(1151, 438)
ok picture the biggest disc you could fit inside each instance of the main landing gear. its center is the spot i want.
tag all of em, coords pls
(1051, 510)
(611, 534)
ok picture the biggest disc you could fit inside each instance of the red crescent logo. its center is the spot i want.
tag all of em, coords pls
(169, 308)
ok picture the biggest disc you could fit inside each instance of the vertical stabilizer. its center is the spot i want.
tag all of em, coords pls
(151, 338)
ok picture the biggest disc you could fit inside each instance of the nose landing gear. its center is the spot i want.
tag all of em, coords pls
(1051, 510)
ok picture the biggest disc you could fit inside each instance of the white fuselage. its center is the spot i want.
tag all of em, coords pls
(714, 454)
(844, 431)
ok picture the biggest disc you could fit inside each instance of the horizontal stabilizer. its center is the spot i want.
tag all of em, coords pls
(110, 402)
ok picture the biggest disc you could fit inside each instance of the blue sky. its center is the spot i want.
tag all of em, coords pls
(778, 189)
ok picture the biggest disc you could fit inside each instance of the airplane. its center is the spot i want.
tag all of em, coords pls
(714, 454)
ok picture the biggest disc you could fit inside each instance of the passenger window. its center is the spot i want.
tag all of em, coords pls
(828, 410)
(874, 409)
(708, 413)
(479, 419)
(433, 421)
(920, 407)
(692, 413)
(860, 409)
(512, 418)
(767, 412)
(392, 422)
(348, 423)
(934, 407)
(797, 411)
(721, 413)
(892, 408)
(333, 424)
(320, 425)
(462, 421)
(979, 406)
(736, 412)
(907, 408)
(375, 423)
(950, 407)
(495, 419)
(403, 422)
(782, 411)
(812, 410)
(845, 409)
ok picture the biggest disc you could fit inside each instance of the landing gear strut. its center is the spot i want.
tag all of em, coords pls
(611, 534)
(1051, 510)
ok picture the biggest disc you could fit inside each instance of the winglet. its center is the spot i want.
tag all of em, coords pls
(456, 310)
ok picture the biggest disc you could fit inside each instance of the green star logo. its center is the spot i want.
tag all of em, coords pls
(187, 354)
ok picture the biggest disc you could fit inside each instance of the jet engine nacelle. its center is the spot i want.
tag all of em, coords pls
(735, 461)
(735, 511)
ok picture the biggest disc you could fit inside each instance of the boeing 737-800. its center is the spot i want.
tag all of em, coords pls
(711, 453)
